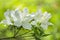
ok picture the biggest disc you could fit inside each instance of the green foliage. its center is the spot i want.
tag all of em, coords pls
(52, 6)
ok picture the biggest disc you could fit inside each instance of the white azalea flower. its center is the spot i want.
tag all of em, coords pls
(44, 20)
(7, 16)
(23, 20)
(37, 17)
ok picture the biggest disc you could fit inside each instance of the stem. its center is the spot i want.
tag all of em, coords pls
(13, 36)
(17, 31)
(6, 38)
(24, 33)
(38, 32)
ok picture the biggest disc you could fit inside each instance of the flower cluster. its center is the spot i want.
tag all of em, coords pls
(25, 19)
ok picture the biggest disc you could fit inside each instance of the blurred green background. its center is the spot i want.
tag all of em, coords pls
(51, 6)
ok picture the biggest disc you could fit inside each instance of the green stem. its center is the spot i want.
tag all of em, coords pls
(38, 32)
(6, 38)
(24, 33)
(13, 36)
(17, 31)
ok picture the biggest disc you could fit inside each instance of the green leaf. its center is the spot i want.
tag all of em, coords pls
(45, 35)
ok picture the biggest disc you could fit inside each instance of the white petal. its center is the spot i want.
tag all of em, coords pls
(39, 12)
(17, 23)
(13, 16)
(7, 14)
(38, 15)
(28, 18)
(25, 10)
(17, 14)
(27, 25)
(22, 16)
(47, 16)
(32, 15)
(17, 9)
(44, 26)
(6, 22)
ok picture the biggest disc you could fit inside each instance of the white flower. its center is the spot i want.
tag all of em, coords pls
(44, 20)
(25, 19)
(37, 17)
(22, 20)
(7, 16)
